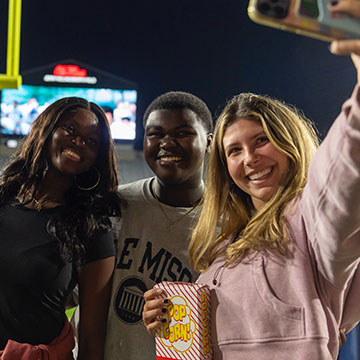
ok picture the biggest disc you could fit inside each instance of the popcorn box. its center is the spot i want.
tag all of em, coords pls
(186, 335)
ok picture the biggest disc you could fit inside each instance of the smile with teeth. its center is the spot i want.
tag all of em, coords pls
(170, 158)
(72, 154)
(260, 174)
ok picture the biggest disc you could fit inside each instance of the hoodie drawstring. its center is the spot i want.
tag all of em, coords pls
(218, 274)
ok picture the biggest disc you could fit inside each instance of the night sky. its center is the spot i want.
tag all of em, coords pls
(209, 48)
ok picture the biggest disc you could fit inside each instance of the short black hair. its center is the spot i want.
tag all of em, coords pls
(175, 100)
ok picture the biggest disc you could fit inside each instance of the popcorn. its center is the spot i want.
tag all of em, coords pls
(186, 335)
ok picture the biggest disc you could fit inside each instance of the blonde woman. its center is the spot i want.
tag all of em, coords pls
(281, 270)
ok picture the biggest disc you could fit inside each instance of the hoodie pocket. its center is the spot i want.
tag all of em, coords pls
(278, 319)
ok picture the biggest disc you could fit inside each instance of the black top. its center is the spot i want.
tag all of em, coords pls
(34, 278)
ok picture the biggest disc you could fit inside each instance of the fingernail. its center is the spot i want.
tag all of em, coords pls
(332, 47)
(163, 310)
(166, 301)
(159, 291)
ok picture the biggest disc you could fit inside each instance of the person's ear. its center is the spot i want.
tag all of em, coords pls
(209, 140)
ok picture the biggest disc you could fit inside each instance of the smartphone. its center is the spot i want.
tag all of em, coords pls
(298, 16)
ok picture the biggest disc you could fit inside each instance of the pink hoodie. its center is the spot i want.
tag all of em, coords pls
(276, 307)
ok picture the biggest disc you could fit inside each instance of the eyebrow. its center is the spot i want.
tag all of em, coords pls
(92, 128)
(262, 132)
(182, 126)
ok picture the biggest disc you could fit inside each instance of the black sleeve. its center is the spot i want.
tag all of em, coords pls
(100, 248)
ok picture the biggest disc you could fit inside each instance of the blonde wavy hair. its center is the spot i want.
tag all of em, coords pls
(225, 204)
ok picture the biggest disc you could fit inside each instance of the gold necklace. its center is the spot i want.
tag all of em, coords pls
(171, 222)
(39, 205)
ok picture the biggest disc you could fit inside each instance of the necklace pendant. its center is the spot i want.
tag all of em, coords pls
(37, 204)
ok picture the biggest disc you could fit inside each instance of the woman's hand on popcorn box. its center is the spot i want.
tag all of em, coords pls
(155, 310)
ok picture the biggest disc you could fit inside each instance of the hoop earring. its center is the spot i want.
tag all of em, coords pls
(85, 187)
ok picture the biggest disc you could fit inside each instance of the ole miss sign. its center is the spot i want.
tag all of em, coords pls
(69, 74)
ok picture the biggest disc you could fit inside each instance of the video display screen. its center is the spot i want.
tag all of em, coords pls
(20, 107)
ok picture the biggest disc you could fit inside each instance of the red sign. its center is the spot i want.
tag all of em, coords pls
(69, 70)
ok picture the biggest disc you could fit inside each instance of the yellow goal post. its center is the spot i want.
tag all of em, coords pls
(12, 79)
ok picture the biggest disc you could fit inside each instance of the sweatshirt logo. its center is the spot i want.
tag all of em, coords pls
(129, 301)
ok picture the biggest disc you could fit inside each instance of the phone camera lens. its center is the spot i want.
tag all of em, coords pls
(274, 8)
(280, 12)
(264, 8)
